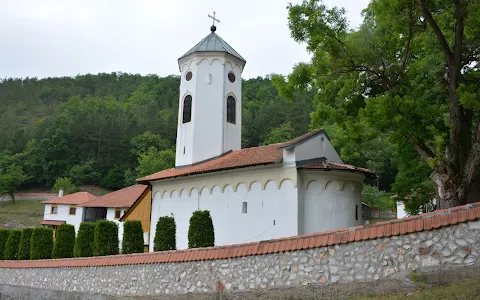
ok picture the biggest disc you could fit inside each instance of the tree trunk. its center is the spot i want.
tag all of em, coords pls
(12, 195)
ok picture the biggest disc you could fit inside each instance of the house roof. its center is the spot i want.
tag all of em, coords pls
(51, 222)
(330, 165)
(74, 199)
(213, 43)
(249, 157)
(121, 198)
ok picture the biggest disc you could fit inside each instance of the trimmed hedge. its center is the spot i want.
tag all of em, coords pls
(64, 241)
(41, 243)
(200, 232)
(4, 233)
(105, 241)
(24, 248)
(84, 241)
(11, 247)
(132, 237)
(165, 234)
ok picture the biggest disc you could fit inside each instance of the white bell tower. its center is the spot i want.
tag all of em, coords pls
(210, 106)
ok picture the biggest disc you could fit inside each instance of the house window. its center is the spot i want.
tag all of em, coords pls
(187, 109)
(231, 77)
(244, 207)
(189, 75)
(54, 209)
(231, 109)
(356, 212)
(72, 210)
(117, 214)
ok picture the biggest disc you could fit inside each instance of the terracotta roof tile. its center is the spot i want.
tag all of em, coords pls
(412, 224)
(72, 199)
(302, 138)
(52, 222)
(121, 198)
(329, 165)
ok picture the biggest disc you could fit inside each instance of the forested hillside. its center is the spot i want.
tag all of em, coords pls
(109, 129)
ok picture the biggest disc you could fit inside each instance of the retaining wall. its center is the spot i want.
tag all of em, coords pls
(447, 239)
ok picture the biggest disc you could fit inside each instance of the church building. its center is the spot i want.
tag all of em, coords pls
(297, 187)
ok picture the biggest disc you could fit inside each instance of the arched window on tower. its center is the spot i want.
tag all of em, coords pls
(187, 109)
(231, 109)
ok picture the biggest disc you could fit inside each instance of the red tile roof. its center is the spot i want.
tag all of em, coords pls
(419, 223)
(248, 157)
(74, 199)
(302, 138)
(50, 222)
(329, 165)
(121, 198)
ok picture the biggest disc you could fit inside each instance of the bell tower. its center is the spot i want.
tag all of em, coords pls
(210, 104)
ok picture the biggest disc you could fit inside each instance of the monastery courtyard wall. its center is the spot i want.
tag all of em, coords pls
(442, 241)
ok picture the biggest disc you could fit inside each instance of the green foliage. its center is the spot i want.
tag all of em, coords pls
(105, 241)
(384, 85)
(155, 160)
(4, 233)
(11, 174)
(11, 247)
(41, 244)
(64, 183)
(132, 237)
(83, 173)
(24, 248)
(64, 241)
(84, 241)
(201, 232)
(377, 199)
(281, 134)
(165, 234)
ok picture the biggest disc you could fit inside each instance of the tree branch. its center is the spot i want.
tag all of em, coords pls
(422, 149)
(438, 32)
(472, 165)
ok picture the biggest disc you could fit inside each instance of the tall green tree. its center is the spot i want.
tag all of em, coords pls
(408, 72)
(11, 175)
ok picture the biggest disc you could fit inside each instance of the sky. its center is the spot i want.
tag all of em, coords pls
(53, 38)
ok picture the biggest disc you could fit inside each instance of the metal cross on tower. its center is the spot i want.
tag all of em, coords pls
(214, 19)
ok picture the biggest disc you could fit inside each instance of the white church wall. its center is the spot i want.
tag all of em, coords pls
(63, 215)
(316, 147)
(332, 200)
(232, 133)
(270, 194)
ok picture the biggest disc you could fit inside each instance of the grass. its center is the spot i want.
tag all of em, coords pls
(26, 212)
(465, 290)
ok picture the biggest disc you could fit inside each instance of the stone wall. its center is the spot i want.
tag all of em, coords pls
(449, 247)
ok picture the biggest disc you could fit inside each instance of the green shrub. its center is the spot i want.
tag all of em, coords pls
(4, 233)
(84, 240)
(41, 244)
(200, 232)
(132, 237)
(11, 247)
(165, 234)
(64, 241)
(24, 248)
(105, 241)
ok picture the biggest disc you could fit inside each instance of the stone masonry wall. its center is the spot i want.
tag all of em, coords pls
(449, 247)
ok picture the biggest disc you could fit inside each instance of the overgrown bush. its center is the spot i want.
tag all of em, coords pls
(132, 237)
(11, 247)
(41, 243)
(200, 232)
(4, 233)
(165, 234)
(105, 241)
(64, 241)
(24, 248)
(84, 241)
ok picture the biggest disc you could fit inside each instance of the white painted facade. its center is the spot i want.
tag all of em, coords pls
(63, 215)
(208, 134)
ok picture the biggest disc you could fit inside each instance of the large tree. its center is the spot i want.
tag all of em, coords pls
(409, 72)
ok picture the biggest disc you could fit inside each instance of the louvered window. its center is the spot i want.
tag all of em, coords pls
(187, 109)
(231, 109)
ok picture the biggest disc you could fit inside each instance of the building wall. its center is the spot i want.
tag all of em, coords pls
(111, 217)
(332, 200)
(316, 147)
(62, 215)
(454, 247)
(141, 211)
(207, 132)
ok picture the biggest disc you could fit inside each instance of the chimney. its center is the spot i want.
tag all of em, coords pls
(60, 193)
